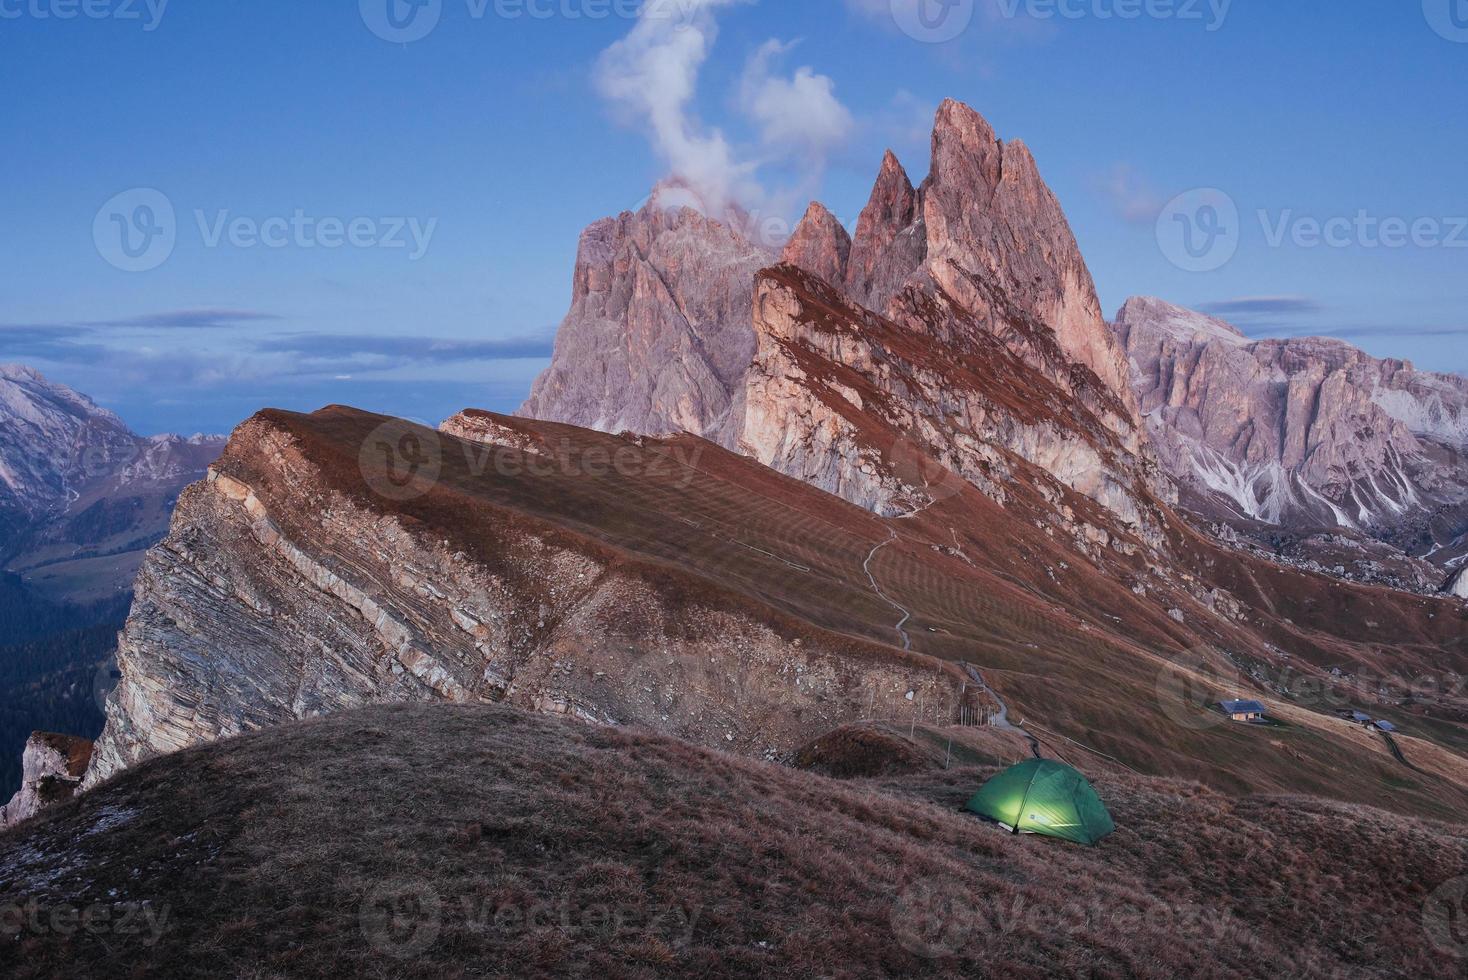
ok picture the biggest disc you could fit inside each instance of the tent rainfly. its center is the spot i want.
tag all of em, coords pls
(1039, 796)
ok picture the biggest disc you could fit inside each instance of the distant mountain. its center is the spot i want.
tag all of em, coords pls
(1303, 434)
(81, 496)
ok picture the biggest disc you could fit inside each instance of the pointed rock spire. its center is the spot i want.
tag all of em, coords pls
(889, 243)
(820, 245)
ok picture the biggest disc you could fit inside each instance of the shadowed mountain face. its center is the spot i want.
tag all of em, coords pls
(81, 496)
(1304, 434)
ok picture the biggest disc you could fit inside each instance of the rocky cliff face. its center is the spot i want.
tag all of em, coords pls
(301, 579)
(658, 337)
(341, 559)
(76, 484)
(890, 418)
(52, 771)
(943, 493)
(1302, 433)
(945, 289)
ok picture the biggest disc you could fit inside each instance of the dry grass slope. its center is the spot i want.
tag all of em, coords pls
(511, 844)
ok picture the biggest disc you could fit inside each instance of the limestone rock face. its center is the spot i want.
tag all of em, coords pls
(51, 771)
(820, 245)
(882, 414)
(309, 575)
(1305, 432)
(979, 262)
(891, 241)
(997, 238)
(658, 336)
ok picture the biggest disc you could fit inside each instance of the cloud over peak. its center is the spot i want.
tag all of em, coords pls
(651, 77)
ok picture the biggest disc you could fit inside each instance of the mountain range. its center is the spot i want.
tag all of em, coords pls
(82, 497)
(906, 476)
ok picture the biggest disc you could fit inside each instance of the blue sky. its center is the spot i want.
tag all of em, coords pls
(455, 172)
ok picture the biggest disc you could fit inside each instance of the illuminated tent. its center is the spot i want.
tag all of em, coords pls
(1039, 796)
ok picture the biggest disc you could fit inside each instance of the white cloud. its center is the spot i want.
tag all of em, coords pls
(651, 78)
(800, 113)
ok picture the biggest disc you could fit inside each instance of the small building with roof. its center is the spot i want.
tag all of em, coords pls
(1243, 710)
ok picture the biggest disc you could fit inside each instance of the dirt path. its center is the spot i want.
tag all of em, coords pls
(1001, 720)
(866, 566)
(1391, 743)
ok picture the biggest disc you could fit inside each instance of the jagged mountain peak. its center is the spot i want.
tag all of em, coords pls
(820, 245)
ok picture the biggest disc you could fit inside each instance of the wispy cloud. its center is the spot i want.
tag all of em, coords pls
(202, 319)
(1368, 332)
(1248, 306)
(348, 350)
(799, 115)
(651, 79)
(198, 319)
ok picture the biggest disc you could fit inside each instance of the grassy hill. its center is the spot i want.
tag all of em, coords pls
(448, 841)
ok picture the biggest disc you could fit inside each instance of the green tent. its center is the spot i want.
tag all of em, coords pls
(1039, 796)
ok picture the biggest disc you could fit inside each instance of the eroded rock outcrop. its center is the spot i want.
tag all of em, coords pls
(51, 771)
(979, 261)
(820, 245)
(882, 415)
